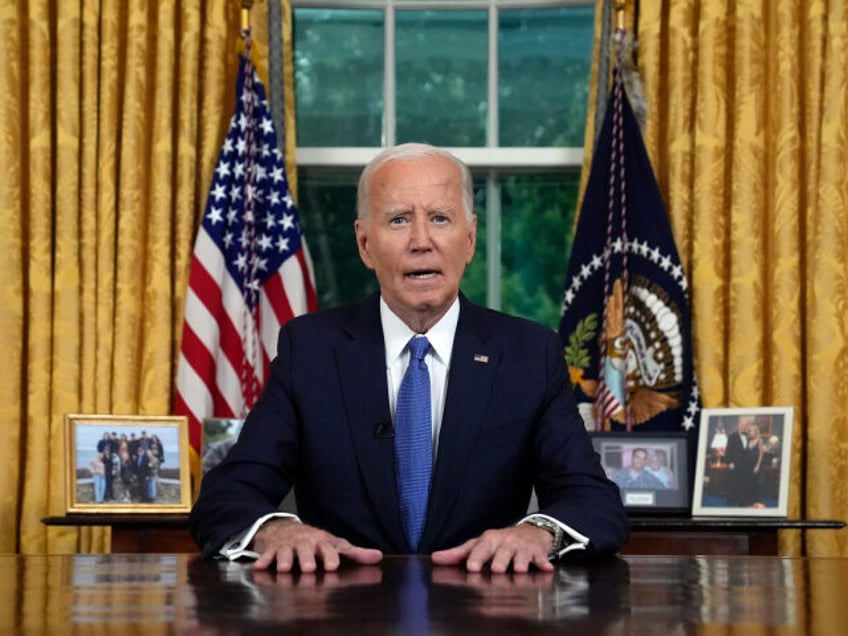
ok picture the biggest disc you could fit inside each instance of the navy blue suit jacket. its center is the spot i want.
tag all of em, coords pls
(323, 426)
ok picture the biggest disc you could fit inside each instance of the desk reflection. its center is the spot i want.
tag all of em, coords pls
(410, 596)
(179, 594)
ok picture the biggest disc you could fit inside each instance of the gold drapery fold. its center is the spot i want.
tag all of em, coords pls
(113, 119)
(14, 267)
(824, 56)
(747, 128)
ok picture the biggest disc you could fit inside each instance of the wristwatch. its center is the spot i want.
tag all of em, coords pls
(560, 538)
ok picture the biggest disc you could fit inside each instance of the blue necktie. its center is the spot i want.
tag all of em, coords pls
(414, 442)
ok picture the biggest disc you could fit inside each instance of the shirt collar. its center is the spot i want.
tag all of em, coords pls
(396, 333)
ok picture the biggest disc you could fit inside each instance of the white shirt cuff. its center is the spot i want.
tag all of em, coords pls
(578, 541)
(236, 547)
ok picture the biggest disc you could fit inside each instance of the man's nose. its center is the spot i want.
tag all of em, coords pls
(420, 232)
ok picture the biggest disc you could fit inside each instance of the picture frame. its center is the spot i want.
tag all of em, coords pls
(656, 484)
(219, 434)
(127, 464)
(731, 480)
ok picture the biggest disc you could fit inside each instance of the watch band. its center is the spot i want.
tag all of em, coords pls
(560, 540)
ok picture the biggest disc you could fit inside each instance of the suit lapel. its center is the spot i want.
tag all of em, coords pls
(474, 361)
(362, 369)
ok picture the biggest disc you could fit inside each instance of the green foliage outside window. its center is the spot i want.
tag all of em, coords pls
(441, 80)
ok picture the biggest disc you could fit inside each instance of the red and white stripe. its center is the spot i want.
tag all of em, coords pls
(217, 326)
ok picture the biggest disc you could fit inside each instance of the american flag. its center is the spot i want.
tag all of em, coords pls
(250, 271)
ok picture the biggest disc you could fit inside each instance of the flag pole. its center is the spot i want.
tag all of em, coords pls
(611, 398)
(246, 6)
(620, 6)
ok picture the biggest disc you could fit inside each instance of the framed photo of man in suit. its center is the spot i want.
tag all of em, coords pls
(127, 464)
(742, 466)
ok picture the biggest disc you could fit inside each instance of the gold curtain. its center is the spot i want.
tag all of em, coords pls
(112, 119)
(748, 136)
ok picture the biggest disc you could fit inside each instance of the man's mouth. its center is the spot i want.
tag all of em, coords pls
(422, 274)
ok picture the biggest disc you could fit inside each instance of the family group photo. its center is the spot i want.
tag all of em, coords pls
(116, 463)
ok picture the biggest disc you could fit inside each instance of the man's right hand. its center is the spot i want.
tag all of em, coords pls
(289, 542)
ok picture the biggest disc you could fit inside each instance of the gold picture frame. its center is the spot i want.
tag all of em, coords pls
(127, 464)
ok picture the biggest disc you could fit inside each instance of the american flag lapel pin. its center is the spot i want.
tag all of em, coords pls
(479, 357)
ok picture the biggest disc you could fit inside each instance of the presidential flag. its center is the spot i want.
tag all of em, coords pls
(250, 270)
(625, 313)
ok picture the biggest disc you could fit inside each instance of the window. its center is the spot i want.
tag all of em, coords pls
(503, 84)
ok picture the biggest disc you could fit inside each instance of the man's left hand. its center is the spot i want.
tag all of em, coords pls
(518, 546)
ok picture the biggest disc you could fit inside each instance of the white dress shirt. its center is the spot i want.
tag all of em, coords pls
(396, 335)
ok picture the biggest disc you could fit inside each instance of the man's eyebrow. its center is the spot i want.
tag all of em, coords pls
(401, 211)
(442, 210)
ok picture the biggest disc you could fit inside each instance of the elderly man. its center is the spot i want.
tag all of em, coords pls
(414, 421)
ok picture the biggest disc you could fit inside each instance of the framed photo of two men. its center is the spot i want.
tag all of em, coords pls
(127, 464)
(743, 462)
(650, 469)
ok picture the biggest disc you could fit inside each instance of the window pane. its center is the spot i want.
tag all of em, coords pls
(536, 235)
(327, 203)
(474, 281)
(544, 58)
(441, 59)
(338, 64)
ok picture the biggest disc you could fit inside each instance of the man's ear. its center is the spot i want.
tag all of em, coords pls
(472, 239)
(359, 227)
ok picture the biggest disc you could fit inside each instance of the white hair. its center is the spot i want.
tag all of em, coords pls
(412, 151)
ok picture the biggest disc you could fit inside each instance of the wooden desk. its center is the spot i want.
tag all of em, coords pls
(141, 533)
(673, 536)
(179, 594)
(753, 536)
